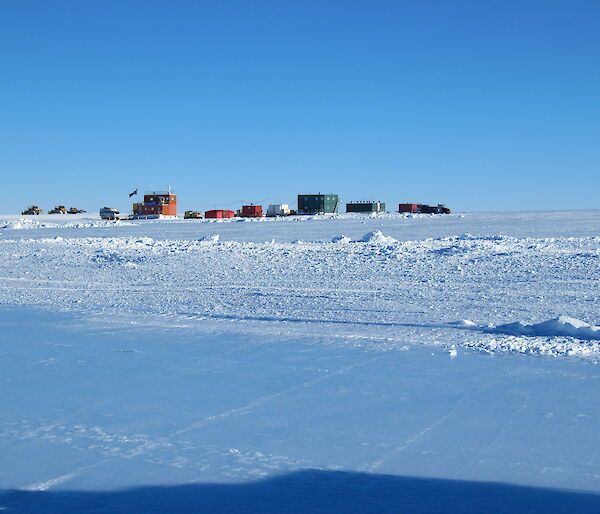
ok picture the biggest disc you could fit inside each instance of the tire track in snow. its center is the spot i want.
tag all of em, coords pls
(266, 398)
(47, 484)
(394, 451)
(499, 434)
(271, 319)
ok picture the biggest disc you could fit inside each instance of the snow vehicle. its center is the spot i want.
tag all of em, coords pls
(108, 213)
(32, 210)
(192, 215)
(59, 209)
(440, 208)
(75, 210)
(421, 208)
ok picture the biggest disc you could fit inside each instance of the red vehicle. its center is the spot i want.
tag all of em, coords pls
(252, 211)
(219, 214)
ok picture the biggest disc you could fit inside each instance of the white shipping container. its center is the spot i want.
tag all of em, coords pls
(281, 209)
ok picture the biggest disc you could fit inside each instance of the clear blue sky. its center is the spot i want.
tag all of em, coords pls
(482, 105)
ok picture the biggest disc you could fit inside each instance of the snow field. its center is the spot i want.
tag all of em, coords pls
(99, 403)
(377, 287)
(168, 353)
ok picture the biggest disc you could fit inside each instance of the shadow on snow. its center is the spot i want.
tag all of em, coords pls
(311, 491)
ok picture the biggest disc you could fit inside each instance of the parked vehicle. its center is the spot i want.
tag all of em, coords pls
(33, 210)
(434, 209)
(192, 215)
(75, 210)
(59, 209)
(108, 213)
(423, 209)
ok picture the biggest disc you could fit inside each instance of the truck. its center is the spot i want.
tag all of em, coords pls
(59, 209)
(108, 213)
(421, 208)
(190, 215)
(32, 210)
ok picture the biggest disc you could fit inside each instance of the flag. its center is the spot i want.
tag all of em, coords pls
(134, 193)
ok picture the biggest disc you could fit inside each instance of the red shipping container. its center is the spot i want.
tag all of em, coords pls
(219, 214)
(408, 207)
(252, 211)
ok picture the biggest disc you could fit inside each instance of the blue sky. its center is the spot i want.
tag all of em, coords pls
(482, 105)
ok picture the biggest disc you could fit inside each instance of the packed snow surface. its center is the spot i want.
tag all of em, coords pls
(168, 351)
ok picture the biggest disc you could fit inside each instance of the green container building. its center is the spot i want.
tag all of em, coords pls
(365, 207)
(318, 204)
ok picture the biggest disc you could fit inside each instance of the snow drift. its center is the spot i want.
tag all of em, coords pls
(341, 239)
(562, 326)
(376, 237)
(210, 239)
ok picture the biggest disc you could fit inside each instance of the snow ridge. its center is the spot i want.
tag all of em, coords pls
(363, 290)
